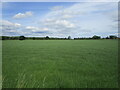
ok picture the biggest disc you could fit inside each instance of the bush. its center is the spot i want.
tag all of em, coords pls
(113, 37)
(46, 37)
(21, 38)
(96, 37)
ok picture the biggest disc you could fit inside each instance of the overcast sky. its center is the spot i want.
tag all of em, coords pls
(59, 19)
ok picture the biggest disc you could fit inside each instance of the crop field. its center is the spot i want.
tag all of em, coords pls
(59, 63)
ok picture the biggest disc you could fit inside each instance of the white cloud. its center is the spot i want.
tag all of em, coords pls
(88, 18)
(36, 29)
(23, 15)
(55, 8)
(9, 28)
(77, 20)
(17, 25)
(67, 16)
(64, 23)
(31, 28)
(58, 26)
(9, 24)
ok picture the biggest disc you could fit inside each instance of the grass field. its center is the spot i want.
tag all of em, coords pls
(60, 64)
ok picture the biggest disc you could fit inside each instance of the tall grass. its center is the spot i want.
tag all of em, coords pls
(60, 64)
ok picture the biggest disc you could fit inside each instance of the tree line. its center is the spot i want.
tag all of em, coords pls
(53, 38)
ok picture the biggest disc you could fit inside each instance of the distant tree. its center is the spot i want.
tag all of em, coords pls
(107, 37)
(21, 38)
(5, 37)
(112, 37)
(33, 38)
(0, 37)
(46, 37)
(96, 37)
(69, 37)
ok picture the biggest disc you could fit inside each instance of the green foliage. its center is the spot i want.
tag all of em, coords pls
(112, 37)
(107, 37)
(10, 38)
(46, 37)
(96, 37)
(69, 37)
(60, 64)
(21, 38)
(54, 38)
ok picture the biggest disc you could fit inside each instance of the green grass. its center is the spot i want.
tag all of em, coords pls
(60, 64)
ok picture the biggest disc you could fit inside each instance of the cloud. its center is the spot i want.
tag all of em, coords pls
(55, 8)
(79, 18)
(23, 15)
(66, 16)
(10, 25)
(9, 28)
(61, 23)
(58, 27)
(36, 29)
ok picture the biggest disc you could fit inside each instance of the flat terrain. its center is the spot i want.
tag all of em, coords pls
(60, 63)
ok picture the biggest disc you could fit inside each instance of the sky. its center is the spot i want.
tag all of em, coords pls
(59, 19)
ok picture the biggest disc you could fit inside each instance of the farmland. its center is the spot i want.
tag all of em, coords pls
(59, 63)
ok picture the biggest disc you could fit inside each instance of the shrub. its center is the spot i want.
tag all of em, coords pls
(21, 38)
